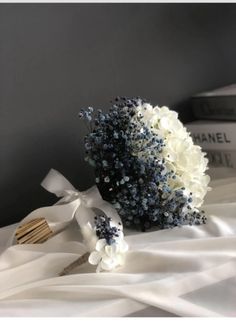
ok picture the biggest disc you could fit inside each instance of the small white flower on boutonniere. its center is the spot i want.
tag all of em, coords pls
(104, 242)
(110, 248)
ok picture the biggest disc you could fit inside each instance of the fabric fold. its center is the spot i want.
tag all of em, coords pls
(178, 271)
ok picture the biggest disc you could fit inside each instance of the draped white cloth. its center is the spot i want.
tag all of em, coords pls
(188, 271)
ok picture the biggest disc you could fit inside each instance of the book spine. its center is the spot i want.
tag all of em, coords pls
(214, 136)
(222, 159)
(219, 107)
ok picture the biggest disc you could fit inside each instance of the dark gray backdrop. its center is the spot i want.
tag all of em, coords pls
(56, 58)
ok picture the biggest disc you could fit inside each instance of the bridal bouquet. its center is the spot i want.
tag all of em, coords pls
(148, 172)
(146, 164)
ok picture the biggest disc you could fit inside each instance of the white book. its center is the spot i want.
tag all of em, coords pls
(217, 104)
(229, 90)
(222, 159)
(213, 135)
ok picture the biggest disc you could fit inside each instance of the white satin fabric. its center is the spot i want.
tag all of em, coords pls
(188, 271)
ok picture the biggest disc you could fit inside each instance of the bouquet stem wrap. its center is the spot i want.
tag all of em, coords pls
(73, 204)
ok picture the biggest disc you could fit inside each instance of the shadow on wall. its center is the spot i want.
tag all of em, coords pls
(57, 58)
(22, 187)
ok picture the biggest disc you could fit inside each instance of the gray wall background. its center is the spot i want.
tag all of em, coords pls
(57, 58)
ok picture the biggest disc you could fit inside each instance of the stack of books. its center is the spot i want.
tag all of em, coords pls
(215, 127)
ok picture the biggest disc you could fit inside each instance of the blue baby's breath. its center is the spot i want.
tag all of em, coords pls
(104, 229)
(130, 170)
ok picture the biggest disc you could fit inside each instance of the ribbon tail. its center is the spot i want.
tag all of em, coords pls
(56, 183)
(56, 217)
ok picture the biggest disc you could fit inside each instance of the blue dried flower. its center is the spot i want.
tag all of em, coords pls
(128, 172)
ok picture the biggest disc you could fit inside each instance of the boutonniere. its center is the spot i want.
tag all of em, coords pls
(105, 243)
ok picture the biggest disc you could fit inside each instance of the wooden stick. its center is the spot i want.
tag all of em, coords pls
(29, 225)
(28, 235)
(46, 237)
(34, 231)
(39, 235)
(82, 259)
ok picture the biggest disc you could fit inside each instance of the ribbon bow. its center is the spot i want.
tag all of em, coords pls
(82, 206)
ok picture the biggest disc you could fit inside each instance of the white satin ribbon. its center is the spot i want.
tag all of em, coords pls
(73, 204)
